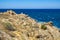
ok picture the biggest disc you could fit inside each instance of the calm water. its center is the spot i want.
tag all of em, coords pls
(44, 15)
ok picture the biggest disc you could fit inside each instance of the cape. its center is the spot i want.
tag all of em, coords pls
(15, 26)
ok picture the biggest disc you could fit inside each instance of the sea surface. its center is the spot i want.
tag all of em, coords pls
(41, 15)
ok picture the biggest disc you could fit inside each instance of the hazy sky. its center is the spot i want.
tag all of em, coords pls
(29, 4)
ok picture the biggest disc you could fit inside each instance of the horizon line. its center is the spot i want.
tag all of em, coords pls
(29, 8)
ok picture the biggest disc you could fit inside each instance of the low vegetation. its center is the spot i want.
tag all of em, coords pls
(43, 27)
(9, 27)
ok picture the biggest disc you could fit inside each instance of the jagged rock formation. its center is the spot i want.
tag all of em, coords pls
(22, 27)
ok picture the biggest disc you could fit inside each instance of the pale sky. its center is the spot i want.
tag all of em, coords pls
(30, 4)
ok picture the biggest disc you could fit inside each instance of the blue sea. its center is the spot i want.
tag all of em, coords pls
(41, 15)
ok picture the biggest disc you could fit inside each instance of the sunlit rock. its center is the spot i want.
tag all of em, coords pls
(22, 27)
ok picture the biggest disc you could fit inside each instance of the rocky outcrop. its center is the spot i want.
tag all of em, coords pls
(22, 27)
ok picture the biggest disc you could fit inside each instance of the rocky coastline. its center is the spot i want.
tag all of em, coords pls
(22, 27)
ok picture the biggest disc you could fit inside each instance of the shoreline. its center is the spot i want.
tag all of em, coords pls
(23, 27)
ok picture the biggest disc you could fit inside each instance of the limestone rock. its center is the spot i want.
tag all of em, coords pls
(22, 27)
(4, 36)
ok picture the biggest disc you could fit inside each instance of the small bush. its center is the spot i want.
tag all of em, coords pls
(9, 27)
(43, 27)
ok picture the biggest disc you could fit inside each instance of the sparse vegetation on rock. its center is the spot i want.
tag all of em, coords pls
(9, 27)
(22, 27)
(43, 27)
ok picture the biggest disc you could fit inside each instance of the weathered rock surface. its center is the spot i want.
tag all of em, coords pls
(22, 27)
(4, 36)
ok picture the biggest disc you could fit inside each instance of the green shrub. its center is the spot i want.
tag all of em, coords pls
(43, 27)
(9, 27)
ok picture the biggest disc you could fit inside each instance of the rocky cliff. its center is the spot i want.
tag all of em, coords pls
(22, 27)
